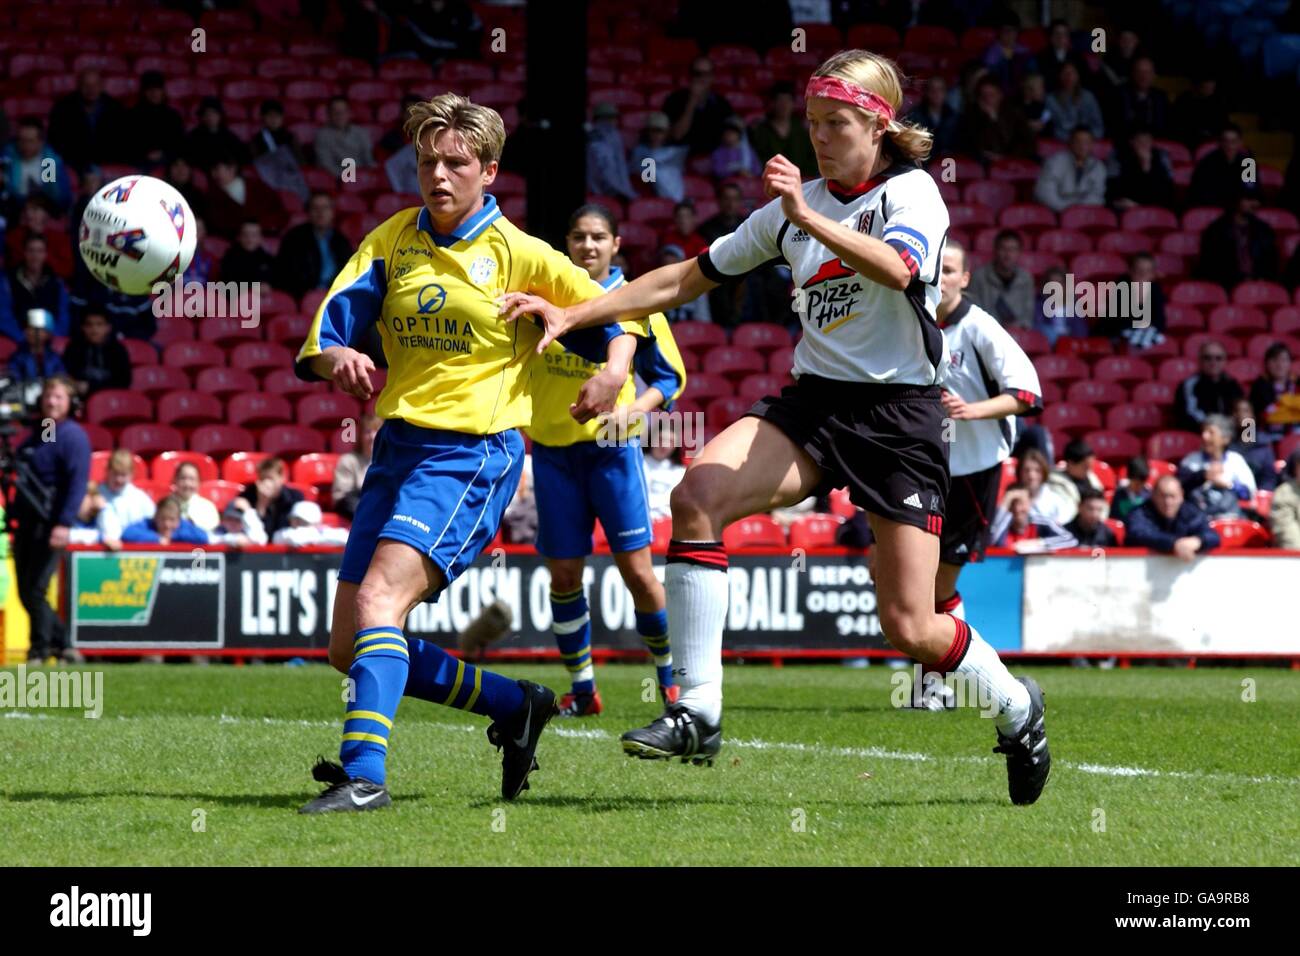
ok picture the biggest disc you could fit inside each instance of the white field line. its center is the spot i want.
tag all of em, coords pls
(858, 753)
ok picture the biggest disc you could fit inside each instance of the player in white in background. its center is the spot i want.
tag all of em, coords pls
(990, 381)
(864, 246)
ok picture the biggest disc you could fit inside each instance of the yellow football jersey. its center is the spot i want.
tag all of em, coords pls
(453, 363)
(560, 374)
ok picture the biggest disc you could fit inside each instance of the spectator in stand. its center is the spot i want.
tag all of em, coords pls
(194, 507)
(1214, 479)
(212, 137)
(239, 528)
(121, 503)
(1211, 391)
(697, 112)
(204, 266)
(1071, 106)
(31, 167)
(88, 184)
(36, 222)
(45, 506)
(734, 156)
(9, 327)
(1057, 55)
(1238, 245)
(1253, 445)
(1110, 78)
(350, 472)
(1169, 524)
(933, 113)
(436, 30)
(1217, 178)
(1089, 526)
(1078, 473)
(1291, 276)
(180, 173)
(1002, 288)
(312, 253)
(1266, 391)
(1033, 104)
(86, 125)
(1016, 525)
(1284, 518)
(1144, 177)
(233, 198)
(32, 285)
(992, 130)
(1073, 177)
(1131, 490)
(1051, 495)
(1007, 59)
(1142, 324)
(247, 259)
(682, 233)
(731, 213)
(165, 526)
(341, 140)
(1201, 112)
(663, 469)
(1055, 315)
(95, 359)
(781, 131)
(668, 160)
(34, 359)
(519, 523)
(697, 310)
(305, 529)
(157, 132)
(269, 495)
(1143, 105)
(395, 138)
(274, 135)
(607, 172)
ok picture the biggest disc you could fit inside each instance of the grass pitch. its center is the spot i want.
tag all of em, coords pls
(195, 765)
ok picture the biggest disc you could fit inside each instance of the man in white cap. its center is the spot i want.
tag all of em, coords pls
(305, 528)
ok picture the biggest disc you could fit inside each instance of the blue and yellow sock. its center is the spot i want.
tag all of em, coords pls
(440, 678)
(571, 622)
(653, 628)
(378, 673)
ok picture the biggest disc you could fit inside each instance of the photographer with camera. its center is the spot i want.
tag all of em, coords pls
(51, 466)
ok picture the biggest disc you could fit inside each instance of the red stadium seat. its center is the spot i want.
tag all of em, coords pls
(1195, 292)
(1244, 369)
(289, 330)
(315, 469)
(1051, 392)
(763, 336)
(1172, 445)
(142, 354)
(704, 386)
(1037, 263)
(1262, 343)
(290, 441)
(1119, 530)
(1100, 393)
(1092, 220)
(1135, 418)
(190, 409)
(241, 466)
(174, 329)
(1028, 217)
(1061, 368)
(1063, 242)
(99, 466)
(781, 361)
(1286, 320)
(100, 437)
(1098, 265)
(260, 356)
(309, 492)
(650, 209)
(732, 362)
(1260, 294)
(1264, 503)
(1192, 344)
(970, 215)
(153, 380)
(150, 439)
(698, 335)
(1282, 220)
(1241, 320)
(1126, 243)
(165, 465)
(1175, 370)
(1122, 368)
(1112, 447)
(1032, 341)
(1242, 533)
(841, 505)
(220, 492)
(1090, 346)
(228, 332)
(1071, 418)
(113, 407)
(754, 532)
(721, 412)
(327, 410)
(193, 355)
(874, 36)
(1158, 393)
(1149, 219)
(1184, 318)
(225, 382)
(814, 531)
(220, 441)
(259, 410)
(990, 192)
(754, 387)
(277, 302)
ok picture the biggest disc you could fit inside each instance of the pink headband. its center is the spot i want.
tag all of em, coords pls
(834, 88)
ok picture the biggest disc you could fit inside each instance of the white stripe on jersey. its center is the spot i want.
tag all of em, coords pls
(984, 360)
(855, 330)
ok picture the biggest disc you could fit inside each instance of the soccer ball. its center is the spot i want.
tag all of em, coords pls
(135, 232)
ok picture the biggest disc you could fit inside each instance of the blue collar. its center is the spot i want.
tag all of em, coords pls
(471, 228)
(613, 280)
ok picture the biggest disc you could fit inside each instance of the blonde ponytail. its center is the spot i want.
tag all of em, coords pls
(880, 75)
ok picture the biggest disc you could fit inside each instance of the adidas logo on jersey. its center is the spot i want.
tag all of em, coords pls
(799, 236)
(913, 500)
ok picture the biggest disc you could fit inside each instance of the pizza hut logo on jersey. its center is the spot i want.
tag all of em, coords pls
(831, 293)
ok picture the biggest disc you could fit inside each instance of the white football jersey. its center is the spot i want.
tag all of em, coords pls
(855, 330)
(983, 361)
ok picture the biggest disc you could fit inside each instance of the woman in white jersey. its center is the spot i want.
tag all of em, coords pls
(864, 245)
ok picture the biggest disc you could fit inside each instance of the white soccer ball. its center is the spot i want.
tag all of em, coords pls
(135, 232)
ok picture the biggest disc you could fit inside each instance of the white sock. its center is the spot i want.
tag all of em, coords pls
(953, 605)
(697, 613)
(973, 657)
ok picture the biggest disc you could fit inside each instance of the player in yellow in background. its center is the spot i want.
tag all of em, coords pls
(582, 472)
(448, 457)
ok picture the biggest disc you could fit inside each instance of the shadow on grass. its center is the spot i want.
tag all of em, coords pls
(263, 800)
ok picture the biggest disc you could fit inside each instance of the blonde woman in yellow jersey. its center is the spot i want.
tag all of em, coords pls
(582, 472)
(448, 456)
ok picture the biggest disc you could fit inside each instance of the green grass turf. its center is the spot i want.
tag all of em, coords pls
(237, 743)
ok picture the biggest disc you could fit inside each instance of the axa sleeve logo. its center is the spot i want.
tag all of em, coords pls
(430, 299)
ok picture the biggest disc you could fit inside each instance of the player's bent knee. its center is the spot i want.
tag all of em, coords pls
(694, 499)
(905, 629)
